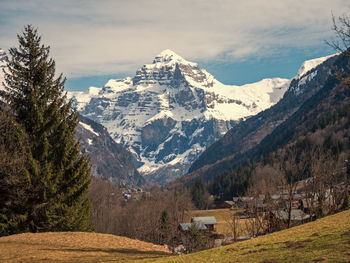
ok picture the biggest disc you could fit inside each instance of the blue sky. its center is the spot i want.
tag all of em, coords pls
(238, 41)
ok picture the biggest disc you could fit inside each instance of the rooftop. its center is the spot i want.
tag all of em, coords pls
(187, 226)
(207, 220)
(296, 214)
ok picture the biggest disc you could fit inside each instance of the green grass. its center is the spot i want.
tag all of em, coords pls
(324, 240)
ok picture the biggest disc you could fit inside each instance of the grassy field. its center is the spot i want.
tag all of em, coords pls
(76, 247)
(223, 218)
(324, 240)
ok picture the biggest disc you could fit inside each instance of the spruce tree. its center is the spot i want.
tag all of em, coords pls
(13, 176)
(59, 173)
(165, 228)
(199, 193)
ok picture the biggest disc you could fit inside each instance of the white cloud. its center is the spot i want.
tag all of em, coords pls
(95, 37)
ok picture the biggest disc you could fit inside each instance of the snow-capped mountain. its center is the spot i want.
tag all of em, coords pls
(172, 110)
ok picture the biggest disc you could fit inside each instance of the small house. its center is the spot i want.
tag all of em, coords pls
(184, 227)
(208, 221)
(226, 204)
(242, 202)
(279, 218)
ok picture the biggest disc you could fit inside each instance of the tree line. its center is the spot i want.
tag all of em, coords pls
(153, 216)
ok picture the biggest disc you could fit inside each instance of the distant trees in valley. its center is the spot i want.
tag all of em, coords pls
(153, 217)
(200, 195)
(233, 183)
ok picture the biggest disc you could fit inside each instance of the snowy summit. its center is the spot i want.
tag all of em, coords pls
(172, 110)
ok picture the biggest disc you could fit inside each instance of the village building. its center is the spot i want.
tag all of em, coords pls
(225, 204)
(208, 221)
(187, 226)
(278, 219)
(242, 202)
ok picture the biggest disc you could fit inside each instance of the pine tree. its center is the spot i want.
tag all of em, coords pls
(59, 173)
(200, 195)
(13, 176)
(165, 228)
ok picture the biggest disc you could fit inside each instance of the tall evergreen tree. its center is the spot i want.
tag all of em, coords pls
(13, 176)
(59, 173)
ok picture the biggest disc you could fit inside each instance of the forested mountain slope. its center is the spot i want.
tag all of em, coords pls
(246, 139)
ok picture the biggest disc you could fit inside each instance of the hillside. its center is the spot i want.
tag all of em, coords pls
(76, 247)
(109, 159)
(247, 139)
(324, 240)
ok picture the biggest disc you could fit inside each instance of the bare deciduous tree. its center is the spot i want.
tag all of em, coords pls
(341, 27)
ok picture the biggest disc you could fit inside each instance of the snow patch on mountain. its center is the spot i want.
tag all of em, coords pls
(81, 98)
(89, 128)
(311, 64)
(306, 73)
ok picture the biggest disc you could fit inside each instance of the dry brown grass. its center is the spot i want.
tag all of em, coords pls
(223, 218)
(324, 240)
(76, 247)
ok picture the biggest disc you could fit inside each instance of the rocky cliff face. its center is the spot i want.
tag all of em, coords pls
(109, 160)
(172, 110)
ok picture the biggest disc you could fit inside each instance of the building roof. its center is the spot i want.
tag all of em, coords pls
(229, 202)
(246, 198)
(296, 214)
(187, 226)
(275, 197)
(207, 220)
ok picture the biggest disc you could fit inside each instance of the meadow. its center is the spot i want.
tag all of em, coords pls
(324, 240)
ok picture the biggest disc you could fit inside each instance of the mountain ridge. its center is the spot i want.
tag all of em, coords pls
(245, 140)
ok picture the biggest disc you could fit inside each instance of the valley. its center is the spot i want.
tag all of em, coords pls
(148, 157)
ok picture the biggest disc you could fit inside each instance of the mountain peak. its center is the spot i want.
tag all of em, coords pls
(167, 56)
(167, 52)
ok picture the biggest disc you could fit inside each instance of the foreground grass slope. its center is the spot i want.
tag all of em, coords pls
(324, 240)
(76, 247)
